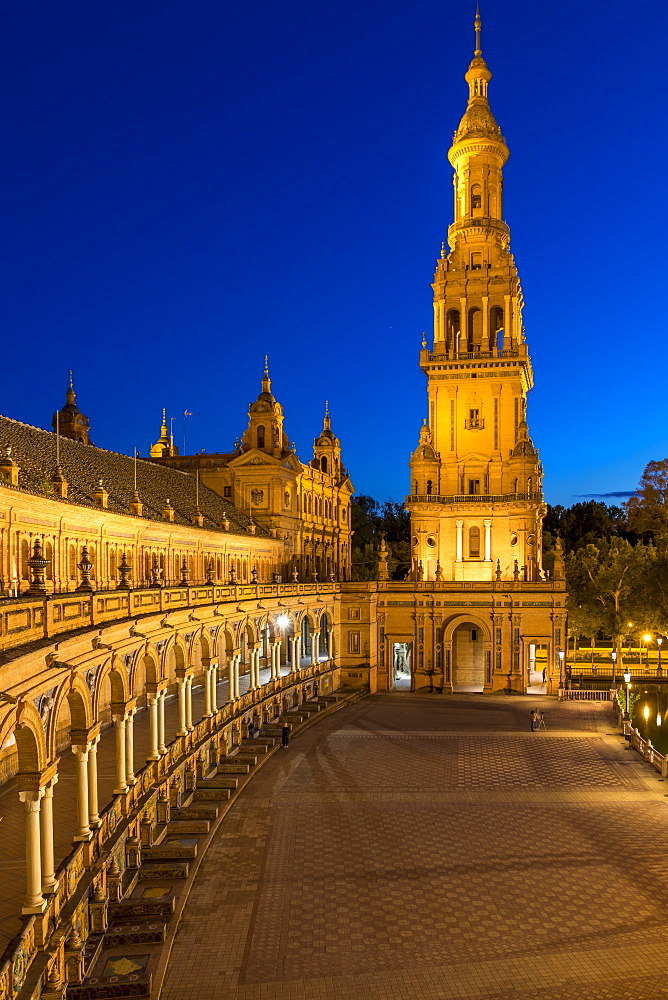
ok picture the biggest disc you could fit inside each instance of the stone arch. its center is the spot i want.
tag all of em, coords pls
(152, 668)
(467, 645)
(75, 694)
(30, 739)
(111, 672)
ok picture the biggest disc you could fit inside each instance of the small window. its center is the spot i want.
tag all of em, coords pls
(227, 491)
(260, 436)
(476, 260)
(429, 486)
(353, 642)
(474, 487)
(474, 635)
(474, 542)
(323, 464)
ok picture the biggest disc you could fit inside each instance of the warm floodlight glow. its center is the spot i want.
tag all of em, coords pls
(627, 676)
(645, 712)
(646, 638)
(658, 719)
(283, 621)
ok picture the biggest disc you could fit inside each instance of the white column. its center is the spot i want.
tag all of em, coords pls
(154, 726)
(130, 749)
(214, 693)
(460, 540)
(253, 679)
(83, 827)
(207, 692)
(93, 808)
(34, 901)
(315, 648)
(275, 659)
(488, 539)
(189, 704)
(231, 677)
(236, 661)
(296, 652)
(183, 724)
(121, 784)
(162, 748)
(49, 882)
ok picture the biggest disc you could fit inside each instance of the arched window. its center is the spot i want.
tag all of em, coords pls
(48, 554)
(429, 485)
(25, 555)
(476, 199)
(323, 463)
(452, 328)
(260, 436)
(474, 542)
(474, 332)
(415, 487)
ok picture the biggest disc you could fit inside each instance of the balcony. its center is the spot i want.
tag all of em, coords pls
(476, 498)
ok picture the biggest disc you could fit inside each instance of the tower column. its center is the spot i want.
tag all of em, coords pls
(460, 540)
(49, 882)
(488, 539)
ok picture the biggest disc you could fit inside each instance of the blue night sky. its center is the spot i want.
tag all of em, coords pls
(188, 186)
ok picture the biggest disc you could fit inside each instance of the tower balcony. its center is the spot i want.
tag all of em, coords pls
(480, 499)
(481, 226)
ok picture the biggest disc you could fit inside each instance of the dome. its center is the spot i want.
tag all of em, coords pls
(478, 122)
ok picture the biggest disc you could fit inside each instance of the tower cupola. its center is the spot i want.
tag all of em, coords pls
(70, 422)
(327, 448)
(164, 447)
(265, 422)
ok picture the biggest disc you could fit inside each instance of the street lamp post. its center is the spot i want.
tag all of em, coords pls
(614, 667)
(627, 681)
(645, 639)
(659, 640)
(561, 655)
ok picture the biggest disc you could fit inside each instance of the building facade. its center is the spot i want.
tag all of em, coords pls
(192, 597)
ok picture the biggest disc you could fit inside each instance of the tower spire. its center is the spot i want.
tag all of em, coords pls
(327, 422)
(71, 395)
(266, 383)
(477, 24)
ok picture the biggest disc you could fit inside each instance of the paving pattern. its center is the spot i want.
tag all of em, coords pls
(417, 846)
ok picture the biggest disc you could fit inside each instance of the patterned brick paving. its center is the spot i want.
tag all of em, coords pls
(432, 847)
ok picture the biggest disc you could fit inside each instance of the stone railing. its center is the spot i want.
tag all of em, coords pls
(582, 694)
(133, 818)
(476, 498)
(25, 619)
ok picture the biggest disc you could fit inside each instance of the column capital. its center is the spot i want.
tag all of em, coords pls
(80, 736)
(81, 752)
(31, 799)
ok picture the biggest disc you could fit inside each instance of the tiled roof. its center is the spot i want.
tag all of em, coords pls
(83, 465)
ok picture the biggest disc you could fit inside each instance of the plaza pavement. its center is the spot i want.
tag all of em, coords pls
(416, 846)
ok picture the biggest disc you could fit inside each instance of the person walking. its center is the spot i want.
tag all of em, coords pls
(251, 729)
(532, 719)
(285, 736)
(544, 674)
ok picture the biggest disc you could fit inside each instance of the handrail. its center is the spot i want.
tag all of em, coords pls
(479, 498)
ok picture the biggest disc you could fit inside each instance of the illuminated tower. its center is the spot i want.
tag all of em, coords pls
(476, 502)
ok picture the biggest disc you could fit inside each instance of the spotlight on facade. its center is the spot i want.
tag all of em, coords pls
(282, 621)
(645, 712)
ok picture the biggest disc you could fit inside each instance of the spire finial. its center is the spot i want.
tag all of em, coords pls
(71, 396)
(71, 383)
(266, 383)
(327, 420)
(477, 24)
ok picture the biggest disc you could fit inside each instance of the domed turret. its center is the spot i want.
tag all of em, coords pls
(265, 422)
(327, 448)
(70, 422)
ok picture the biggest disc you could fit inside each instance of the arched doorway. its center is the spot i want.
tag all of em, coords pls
(401, 666)
(467, 655)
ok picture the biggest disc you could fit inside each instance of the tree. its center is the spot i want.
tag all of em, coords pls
(607, 586)
(369, 520)
(647, 512)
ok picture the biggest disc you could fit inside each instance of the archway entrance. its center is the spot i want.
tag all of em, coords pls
(468, 658)
(401, 666)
